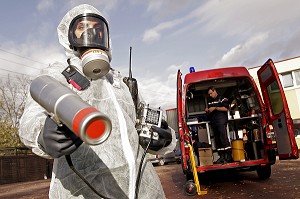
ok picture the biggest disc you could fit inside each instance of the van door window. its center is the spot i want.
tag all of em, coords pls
(275, 98)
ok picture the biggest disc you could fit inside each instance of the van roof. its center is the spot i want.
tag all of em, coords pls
(216, 74)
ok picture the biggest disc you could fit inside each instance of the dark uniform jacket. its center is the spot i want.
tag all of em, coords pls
(218, 117)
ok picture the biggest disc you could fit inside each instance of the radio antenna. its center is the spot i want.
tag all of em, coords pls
(130, 73)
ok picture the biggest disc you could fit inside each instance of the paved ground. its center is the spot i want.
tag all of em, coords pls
(283, 184)
(28, 190)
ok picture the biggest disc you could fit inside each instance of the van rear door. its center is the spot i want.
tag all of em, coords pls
(278, 112)
(180, 116)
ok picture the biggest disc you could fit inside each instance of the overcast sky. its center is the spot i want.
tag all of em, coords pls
(166, 35)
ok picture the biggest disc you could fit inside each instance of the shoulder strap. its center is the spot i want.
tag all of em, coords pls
(75, 78)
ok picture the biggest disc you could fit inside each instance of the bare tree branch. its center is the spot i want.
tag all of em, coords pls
(13, 94)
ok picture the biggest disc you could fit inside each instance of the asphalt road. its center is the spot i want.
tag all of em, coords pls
(283, 184)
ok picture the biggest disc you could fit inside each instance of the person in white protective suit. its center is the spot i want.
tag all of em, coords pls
(111, 167)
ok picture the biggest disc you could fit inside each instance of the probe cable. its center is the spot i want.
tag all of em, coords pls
(138, 179)
(70, 163)
(69, 160)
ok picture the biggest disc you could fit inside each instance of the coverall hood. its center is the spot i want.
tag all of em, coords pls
(63, 27)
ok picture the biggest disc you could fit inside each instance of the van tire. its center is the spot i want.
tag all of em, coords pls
(264, 172)
(161, 162)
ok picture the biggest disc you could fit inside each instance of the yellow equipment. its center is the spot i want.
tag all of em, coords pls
(194, 170)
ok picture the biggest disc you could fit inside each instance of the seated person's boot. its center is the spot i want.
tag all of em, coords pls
(221, 160)
(228, 156)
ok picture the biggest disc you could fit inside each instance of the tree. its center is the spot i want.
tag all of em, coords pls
(9, 135)
(13, 94)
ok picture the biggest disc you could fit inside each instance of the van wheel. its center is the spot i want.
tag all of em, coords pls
(264, 172)
(190, 188)
(161, 162)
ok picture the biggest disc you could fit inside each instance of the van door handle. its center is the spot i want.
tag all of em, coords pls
(279, 123)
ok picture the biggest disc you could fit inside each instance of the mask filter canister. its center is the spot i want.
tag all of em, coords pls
(95, 63)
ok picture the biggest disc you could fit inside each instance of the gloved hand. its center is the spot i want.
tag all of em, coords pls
(165, 137)
(56, 140)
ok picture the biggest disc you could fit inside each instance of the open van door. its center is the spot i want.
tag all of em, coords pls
(181, 121)
(179, 99)
(277, 111)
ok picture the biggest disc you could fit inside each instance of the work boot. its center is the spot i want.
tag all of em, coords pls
(228, 156)
(221, 160)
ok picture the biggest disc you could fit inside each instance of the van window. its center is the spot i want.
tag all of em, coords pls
(275, 98)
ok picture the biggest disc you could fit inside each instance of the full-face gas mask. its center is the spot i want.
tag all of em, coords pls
(89, 38)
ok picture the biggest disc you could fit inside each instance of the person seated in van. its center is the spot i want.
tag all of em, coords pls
(218, 117)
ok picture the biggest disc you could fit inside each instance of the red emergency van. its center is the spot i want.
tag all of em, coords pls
(253, 119)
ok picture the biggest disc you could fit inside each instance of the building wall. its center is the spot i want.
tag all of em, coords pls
(293, 98)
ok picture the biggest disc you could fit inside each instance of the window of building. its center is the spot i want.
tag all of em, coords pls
(297, 77)
(287, 80)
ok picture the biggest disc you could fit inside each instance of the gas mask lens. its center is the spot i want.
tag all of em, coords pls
(89, 30)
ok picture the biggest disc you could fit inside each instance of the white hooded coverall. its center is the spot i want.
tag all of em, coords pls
(111, 167)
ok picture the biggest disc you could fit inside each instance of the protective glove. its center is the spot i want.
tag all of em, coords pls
(56, 140)
(164, 139)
